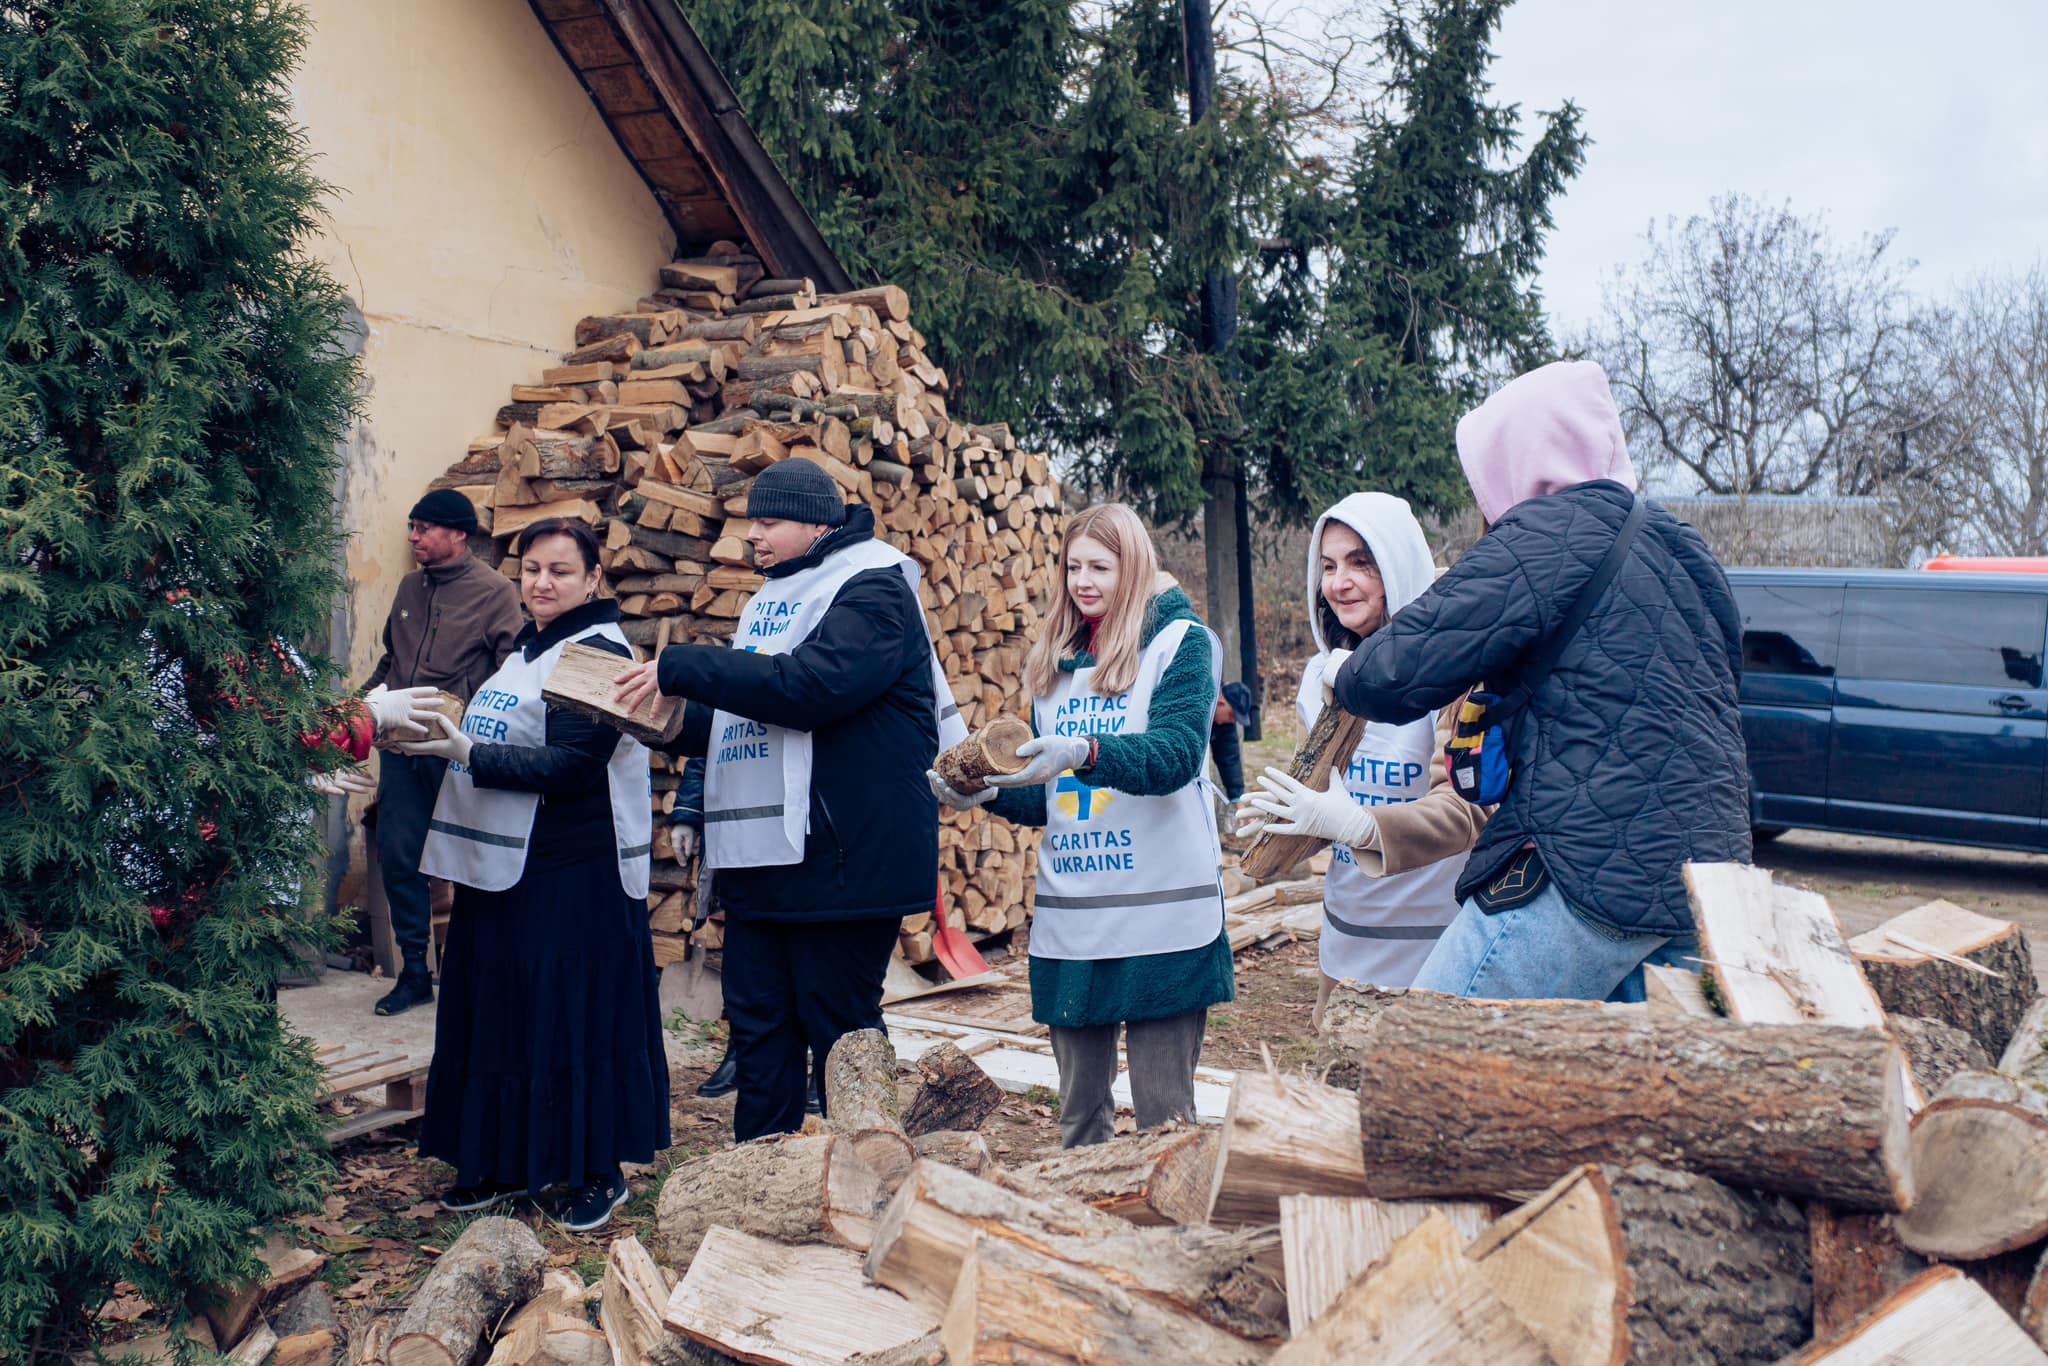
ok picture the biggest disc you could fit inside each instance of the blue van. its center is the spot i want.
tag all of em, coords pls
(1898, 703)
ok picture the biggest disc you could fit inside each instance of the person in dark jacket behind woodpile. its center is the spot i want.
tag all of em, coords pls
(451, 624)
(1627, 760)
(549, 1069)
(817, 725)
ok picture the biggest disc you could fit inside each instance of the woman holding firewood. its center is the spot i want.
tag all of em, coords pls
(548, 1062)
(1400, 831)
(1127, 934)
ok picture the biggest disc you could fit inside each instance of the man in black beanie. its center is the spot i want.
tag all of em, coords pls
(451, 625)
(817, 726)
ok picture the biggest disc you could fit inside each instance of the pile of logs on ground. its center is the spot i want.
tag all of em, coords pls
(651, 430)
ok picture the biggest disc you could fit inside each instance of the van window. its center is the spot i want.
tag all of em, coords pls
(1789, 629)
(1914, 635)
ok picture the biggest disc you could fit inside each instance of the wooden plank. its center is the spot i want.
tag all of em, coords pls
(764, 1301)
(392, 1067)
(368, 1122)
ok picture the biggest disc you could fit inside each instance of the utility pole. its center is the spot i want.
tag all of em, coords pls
(1226, 513)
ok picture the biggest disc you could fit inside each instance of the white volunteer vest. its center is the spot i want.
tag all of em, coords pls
(1381, 930)
(1120, 876)
(757, 777)
(478, 835)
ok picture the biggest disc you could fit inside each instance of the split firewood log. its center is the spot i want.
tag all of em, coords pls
(1327, 1240)
(990, 751)
(582, 682)
(1283, 1136)
(955, 1095)
(1538, 1088)
(1014, 1304)
(924, 1238)
(1330, 742)
(495, 1265)
(522, 1339)
(760, 1301)
(1642, 1263)
(446, 703)
(630, 1308)
(862, 1105)
(1939, 1316)
(1941, 962)
(1157, 1176)
(964, 1151)
(2026, 1057)
(1425, 1304)
(1776, 954)
(1980, 1162)
(799, 1189)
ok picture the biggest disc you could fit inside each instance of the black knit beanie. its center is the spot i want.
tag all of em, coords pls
(796, 491)
(446, 507)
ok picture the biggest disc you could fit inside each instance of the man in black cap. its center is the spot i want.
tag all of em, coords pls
(451, 625)
(817, 726)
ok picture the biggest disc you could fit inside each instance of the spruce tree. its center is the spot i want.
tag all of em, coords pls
(171, 395)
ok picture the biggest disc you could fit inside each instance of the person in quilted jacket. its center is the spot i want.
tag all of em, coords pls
(1628, 761)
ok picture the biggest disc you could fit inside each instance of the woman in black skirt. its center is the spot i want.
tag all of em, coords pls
(548, 1065)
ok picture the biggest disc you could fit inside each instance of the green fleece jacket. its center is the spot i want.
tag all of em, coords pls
(1165, 757)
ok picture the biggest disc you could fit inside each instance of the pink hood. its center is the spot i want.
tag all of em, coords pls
(1547, 430)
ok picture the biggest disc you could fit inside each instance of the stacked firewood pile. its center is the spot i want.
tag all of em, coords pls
(652, 429)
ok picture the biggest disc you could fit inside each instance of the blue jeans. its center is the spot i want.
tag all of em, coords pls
(1543, 950)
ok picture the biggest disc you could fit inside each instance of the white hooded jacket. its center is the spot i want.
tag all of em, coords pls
(1380, 929)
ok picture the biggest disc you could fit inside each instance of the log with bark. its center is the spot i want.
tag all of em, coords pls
(1013, 1304)
(1644, 1263)
(1537, 1088)
(1941, 962)
(444, 702)
(1328, 745)
(1425, 1304)
(799, 1189)
(861, 1103)
(1939, 1317)
(967, 1152)
(1156, 1176)
(766, 1302)
(1283, 1136)
(1980, 1162)
(989, 752)
(522, 1339)
(1327, 1240)
(924, 1238)
(495, 1265)
(1937, 1051)
(955, 1093)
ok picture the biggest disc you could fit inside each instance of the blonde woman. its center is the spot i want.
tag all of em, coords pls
(1127, 936)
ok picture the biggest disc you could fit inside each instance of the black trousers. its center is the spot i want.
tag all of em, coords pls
(406, 788)
(791, 990)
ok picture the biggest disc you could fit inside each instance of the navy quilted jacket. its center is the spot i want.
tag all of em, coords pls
(1629, 761)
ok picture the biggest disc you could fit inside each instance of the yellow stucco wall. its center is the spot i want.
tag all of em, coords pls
(480, 208)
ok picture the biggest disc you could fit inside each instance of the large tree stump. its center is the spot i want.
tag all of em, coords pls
(861, 1103)
(1329, 743)
(1014, 1305)
(1940, 1316)
(1937, 1051)
(494, 1265)
(1326, 1240)
(1533, 1089)
(1980, 1162)
(1283, 1136)
(1909, 961)
(956, 1094)
(1425, 1304)
(1647, 1264)
(989, 752)
(1158, 1176)
(925, 1235)
(801, 1189)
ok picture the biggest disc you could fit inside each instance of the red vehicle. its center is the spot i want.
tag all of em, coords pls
(1991, 564)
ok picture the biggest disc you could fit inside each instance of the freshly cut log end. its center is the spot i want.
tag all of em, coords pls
(1942, 962)
(1980, 1158)
(1329, 743)
(1326, 1240)
(989, 752)
(1159, 1176)
(1283, 1136)
(1940, 1316)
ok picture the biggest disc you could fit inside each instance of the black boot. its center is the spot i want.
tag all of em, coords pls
(723, 1081)
(814, 1099)
(414, 988)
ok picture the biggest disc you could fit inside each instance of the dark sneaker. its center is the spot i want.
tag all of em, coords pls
(724, 1081)
(589, 1208)
(414, 988)
(483, 1195)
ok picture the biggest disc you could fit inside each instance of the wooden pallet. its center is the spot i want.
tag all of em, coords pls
(352, 1068)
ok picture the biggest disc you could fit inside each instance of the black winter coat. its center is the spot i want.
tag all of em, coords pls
(1629, 761)
(862, 686)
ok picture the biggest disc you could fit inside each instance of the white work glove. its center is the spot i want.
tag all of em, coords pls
(449, 744)
(1295, 808)
(1049, 755)
(343, 782)
(392, 709)
(684, 839)
(1332, 662)
(956, 800)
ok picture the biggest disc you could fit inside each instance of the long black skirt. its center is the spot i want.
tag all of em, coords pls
(548, 1060)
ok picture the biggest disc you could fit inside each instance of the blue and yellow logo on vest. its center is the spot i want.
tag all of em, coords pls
(1077, 800)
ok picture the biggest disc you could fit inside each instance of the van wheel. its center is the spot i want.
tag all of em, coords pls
(1764, 834)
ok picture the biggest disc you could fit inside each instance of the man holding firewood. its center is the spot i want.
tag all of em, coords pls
(817, 726)
(450, 626)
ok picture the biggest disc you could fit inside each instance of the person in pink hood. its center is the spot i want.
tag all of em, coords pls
(1608, 633)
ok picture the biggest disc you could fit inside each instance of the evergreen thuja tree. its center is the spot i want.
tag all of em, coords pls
(171, 392)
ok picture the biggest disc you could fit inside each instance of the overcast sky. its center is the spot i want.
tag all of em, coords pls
(1928, 118)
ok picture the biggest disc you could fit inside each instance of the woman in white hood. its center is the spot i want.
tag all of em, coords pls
(1400, 831)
